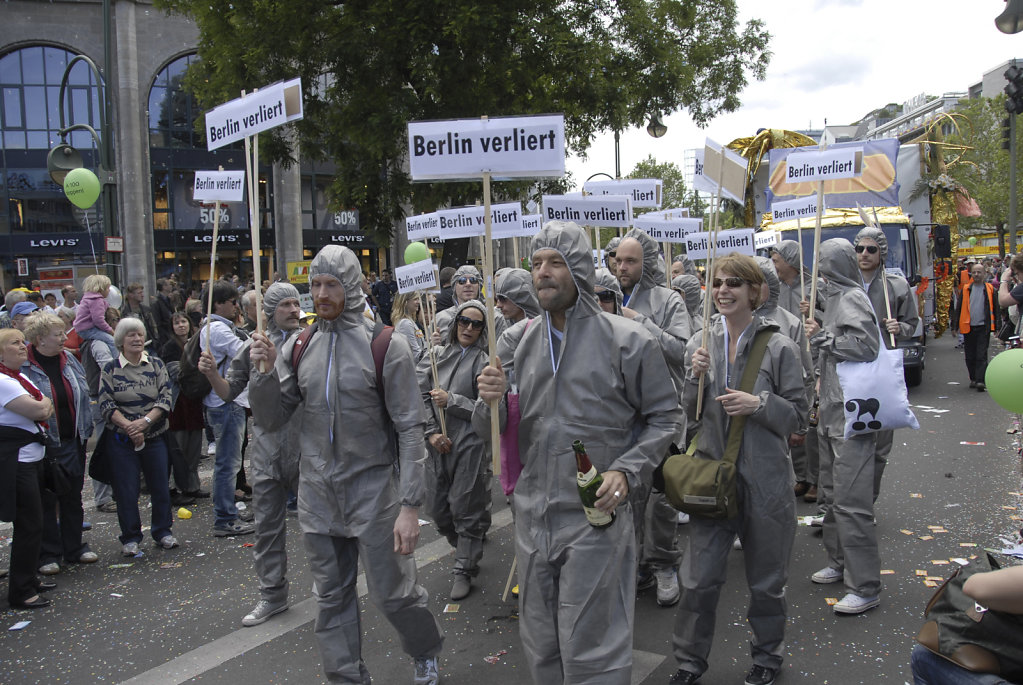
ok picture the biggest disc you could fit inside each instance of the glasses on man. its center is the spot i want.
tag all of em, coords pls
(871, 249)
(731, 282)
(462, 280)
(606, 296)
(501, 298)
(466, 322)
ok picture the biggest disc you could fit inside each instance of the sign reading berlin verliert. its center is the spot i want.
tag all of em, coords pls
(260, 111)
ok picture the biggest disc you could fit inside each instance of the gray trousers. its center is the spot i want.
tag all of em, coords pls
(847, 488)
(577, 590)
(269, 552)
(883, 449)
(806, 459)
(655, 531)
(766, 525)
(460, 503)
(391, 579)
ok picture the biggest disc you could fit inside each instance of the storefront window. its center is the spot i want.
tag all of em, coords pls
(172, 110)
(315, 212)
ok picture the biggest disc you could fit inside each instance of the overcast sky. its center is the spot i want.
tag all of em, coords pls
(835, 60)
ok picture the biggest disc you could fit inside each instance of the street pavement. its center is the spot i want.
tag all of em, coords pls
(175, 616)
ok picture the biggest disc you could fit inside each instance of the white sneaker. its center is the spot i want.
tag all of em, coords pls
(854, 604)
(426, 672)
(816, 521)
(50, 569)
(211, 449)
(168, 542)
(130, 549)
(736, 543)
(827, 575)
(262, 611)
(667, 586)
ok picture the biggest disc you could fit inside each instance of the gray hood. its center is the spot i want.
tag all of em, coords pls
(607, 280)
(481, 342)
(693, 293)
(341, 263)
(875, 235)
(517, 286)
(465, 270)
(651, 257)
(837, 263)
(275, 294)
(572, 243)
(789, 251)
(773, 282)
(687, 264)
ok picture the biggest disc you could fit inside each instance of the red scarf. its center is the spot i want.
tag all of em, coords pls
(32, 390)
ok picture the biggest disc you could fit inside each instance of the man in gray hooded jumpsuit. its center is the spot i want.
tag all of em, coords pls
(515, 286)
(578, 582)
(273, 470)
(849, 333)
(902, 323)
(663, 312)
(350, 505)
(469, 289)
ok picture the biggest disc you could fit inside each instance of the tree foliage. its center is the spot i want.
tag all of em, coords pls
(370, 66)
(675, 193)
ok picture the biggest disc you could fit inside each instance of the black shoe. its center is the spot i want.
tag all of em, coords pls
(45, 586)
(199, 494)
(973, 384)
(981, 387)
(683, 677)
(761, 675)
(180, 499)
(37, 603)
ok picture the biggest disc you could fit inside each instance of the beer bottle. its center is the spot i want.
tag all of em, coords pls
(589, 481)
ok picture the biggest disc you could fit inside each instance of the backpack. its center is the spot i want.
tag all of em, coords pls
(381, 341)
(193, 384)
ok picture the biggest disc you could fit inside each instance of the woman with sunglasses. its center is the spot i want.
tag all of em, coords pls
(766, 523)
(608, 292)
(465, 286)
(459, 472)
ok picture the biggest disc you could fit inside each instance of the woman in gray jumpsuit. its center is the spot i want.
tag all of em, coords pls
(766, 523)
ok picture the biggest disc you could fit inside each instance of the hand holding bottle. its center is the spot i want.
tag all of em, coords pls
(612, 492)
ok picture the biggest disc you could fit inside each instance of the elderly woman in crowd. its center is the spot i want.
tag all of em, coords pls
(773, 408)
(135, 398)
(61, 377)
(459, 470)
(23, 409)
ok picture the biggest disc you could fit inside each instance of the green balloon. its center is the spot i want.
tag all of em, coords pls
(81, 187)
(416, 252)
(972, 240)
(1004, 380)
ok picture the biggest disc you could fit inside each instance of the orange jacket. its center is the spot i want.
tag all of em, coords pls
(964, 307)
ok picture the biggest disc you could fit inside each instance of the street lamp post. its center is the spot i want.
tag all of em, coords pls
(63, 157)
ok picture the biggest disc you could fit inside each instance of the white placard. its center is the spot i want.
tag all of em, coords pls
(700, 181)
(606, 211)
(467, 222)
(665, 230)
(415, 276)
(219, 186)
(803, 208)
(765, 240)
(729, 166)
(422, 226)
(823, 165)
(260, 111)
(507, 147)
(735, 240)
(598, 258)
(645, 192)
(531, 224)
(672, 213)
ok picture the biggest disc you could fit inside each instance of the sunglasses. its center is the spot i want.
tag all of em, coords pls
(731, 282)
(606, 296)
(462, 280)
(501, 298)
(469, 323)
(872, 249)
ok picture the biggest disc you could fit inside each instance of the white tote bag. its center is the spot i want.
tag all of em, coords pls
(874, 394)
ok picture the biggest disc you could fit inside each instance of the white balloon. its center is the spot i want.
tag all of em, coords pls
(114, 298)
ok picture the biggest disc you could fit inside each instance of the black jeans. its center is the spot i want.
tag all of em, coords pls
(63, 516)
(28, 533)
(975, 344)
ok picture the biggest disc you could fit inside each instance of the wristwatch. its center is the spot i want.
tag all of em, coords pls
(147, 420)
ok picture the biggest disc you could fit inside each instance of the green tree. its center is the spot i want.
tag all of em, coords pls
(370, 66)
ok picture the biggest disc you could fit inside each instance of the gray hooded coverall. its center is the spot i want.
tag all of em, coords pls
(849, 333)
(578, 583)
(350, 490)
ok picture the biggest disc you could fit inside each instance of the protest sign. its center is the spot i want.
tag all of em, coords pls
(736, 240)
(665, 230)
(645, 192)
(608, 211)
(726, 170)
(422, 226)
(875, 185)
(415, 276)
(823, 165)
(468, 222)
(803, 208)
(531, 224)
(765, 240)
(506, 147)
(260, 111)
(219, 186)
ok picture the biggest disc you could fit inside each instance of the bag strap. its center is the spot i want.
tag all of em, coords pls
(298, 349)
(381, 341)
(749, 377)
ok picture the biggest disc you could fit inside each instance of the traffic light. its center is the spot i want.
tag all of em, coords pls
(1007, 133)
(1014, 90)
